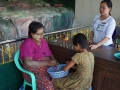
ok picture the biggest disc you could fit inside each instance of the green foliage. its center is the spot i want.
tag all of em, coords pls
(57, 1)
(69, 4)
(32, 2)
(66, 3)
(2, 0)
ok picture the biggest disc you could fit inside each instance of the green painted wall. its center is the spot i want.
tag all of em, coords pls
(10, 77)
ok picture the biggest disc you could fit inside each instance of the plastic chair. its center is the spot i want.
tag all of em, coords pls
(33, 80)
(117, 41)
(116, 32)
(90, 88)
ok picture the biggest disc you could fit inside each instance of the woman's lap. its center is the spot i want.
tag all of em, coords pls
(42, 77)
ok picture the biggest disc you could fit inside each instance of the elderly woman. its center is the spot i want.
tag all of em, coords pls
(37, 57)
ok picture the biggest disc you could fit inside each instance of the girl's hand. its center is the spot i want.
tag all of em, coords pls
(64, 68)
(67, 62)
(74, 67)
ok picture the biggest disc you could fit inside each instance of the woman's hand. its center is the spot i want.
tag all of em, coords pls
(90, 41)
(99, 44)
(52, 63)
(93, 47)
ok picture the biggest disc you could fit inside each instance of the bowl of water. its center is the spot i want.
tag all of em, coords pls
(117, 55)
(57, 72)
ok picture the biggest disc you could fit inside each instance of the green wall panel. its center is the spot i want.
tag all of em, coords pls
(10, 77)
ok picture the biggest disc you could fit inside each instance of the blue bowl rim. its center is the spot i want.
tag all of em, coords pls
(116, 55)
(59, 71)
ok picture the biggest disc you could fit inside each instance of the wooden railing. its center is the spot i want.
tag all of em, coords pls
(9, 47)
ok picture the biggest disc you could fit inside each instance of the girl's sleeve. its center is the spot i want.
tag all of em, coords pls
(77, 58)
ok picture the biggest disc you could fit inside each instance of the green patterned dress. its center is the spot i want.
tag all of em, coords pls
(82, 78)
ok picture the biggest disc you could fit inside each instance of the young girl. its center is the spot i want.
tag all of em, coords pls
(82, 78)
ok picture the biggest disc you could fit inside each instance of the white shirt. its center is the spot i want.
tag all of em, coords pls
(102, 29)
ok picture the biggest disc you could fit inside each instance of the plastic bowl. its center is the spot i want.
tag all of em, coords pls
(57, 72)
(117, 55)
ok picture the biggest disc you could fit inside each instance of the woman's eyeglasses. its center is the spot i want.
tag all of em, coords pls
(41, 34)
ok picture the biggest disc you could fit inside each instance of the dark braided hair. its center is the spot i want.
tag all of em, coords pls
(81, 40)
(33, 27)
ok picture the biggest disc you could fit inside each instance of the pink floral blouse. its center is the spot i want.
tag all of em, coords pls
(30, 49)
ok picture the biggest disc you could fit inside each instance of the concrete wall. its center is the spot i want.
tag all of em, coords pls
(85, 10)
